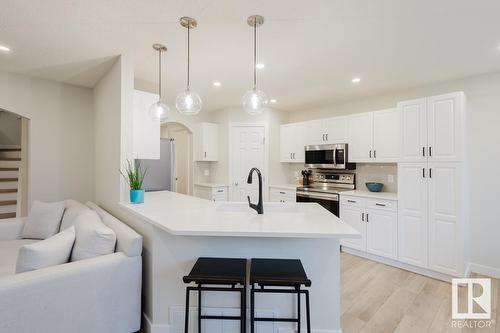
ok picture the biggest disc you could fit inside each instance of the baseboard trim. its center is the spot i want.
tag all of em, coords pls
(484, 270)
(398, 264)
(149, 327)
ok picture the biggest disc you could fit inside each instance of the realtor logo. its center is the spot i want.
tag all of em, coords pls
(478, 300)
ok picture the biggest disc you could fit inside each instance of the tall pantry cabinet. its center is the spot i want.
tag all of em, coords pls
(431, 213)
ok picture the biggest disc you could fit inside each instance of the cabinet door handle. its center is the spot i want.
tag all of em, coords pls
(374, 154)
(220, 191)
(323, 137)
(430, 172)
(351, 201)
(326, 136)
(205, 154)
(423, 151)
(293, 155)
(282, 192)
(367, 218)
(430, 151)
(423, 172)
(379, 204)
(363, 217)
(370, 154)
(290, 155)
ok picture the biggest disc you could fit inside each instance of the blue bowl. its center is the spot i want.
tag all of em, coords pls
(374, 187)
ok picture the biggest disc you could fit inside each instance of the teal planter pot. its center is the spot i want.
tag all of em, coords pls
(136, 196)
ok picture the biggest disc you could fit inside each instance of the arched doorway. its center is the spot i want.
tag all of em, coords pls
(182, 138)
(13, 165)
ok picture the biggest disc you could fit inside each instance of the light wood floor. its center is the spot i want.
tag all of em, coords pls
(381, 298)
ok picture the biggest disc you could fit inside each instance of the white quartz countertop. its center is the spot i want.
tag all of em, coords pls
(184, 215)
(210, 185)
(374, 195)
(284, 186)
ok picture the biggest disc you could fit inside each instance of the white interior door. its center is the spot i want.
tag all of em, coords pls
(412, 213)
(247, 152)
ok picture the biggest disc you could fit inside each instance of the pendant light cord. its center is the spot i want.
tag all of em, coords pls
(254, 54)
(159, 75)
(188, 80)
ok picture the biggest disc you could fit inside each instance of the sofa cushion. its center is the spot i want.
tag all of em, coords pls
(127, 240)
(8, 254)
(52, 251)
(93, 238)
(43, 220)
(73, 209)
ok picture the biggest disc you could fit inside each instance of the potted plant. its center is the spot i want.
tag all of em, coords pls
(134, 177)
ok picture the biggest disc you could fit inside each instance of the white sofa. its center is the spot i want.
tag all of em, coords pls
(101, 294)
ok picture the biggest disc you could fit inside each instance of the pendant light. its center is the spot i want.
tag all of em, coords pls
(159, 110)
(254, 101)
(188, 102)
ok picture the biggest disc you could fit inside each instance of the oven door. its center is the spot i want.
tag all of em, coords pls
(330, 201)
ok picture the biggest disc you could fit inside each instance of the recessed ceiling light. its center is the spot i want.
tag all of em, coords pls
(4, 48)
(356, 80)
(217, 84)
(260, 66)
(273, 100)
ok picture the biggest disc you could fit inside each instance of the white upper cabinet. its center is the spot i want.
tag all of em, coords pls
(444, 129)
(206, 142)
(432, 128)
(326, 131)
(414, 130)
(387, 135)
(292, 142)
(360, 132)
(146, 129)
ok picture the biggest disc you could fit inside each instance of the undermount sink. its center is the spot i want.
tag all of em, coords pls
(269, 207)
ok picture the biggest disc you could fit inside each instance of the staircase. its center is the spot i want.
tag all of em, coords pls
(10, 160)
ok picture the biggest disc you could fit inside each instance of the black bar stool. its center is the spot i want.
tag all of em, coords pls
(217, 271)
(279, 273)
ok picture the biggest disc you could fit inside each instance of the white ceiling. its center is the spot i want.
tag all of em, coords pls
(311, 48)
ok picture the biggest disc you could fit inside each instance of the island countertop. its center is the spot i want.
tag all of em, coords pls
(183, 215)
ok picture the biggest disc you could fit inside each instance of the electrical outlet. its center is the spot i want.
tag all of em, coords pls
(390, 178)
(206, 172)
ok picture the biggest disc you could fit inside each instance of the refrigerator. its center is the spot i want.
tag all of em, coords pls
(160, 174)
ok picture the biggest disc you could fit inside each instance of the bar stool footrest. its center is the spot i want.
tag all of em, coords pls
(286, 320)
(221, 317)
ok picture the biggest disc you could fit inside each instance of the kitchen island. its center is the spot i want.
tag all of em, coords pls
(184, 228)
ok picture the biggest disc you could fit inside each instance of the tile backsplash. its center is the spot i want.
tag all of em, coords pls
(365, 172)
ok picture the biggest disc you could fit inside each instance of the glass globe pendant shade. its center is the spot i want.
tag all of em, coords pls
(188, 103)
(254, 102)
(159, 110)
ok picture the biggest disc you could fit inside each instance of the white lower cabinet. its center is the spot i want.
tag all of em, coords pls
(431, 231)
(277, 194)
(218, 193)
(376, 220)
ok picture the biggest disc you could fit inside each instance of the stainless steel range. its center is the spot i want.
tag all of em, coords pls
(325, 188)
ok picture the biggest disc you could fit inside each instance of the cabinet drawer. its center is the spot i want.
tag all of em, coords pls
(352, 201)
(281, 192)
(382, 204)
(219, 191)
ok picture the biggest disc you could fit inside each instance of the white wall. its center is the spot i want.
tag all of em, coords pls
(483, 161)
(61, 136)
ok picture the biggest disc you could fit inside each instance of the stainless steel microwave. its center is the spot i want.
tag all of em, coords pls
(332, 156)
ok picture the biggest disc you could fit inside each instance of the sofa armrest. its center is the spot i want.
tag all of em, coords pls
(101, 294)
(10, 229)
